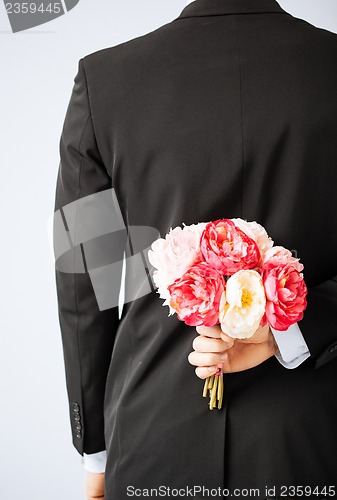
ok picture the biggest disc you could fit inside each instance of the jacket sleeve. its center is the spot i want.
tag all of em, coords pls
(87, 308)
(319, 323)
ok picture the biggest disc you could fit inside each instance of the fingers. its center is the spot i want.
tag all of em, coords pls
(206, 344)
(213, 331)
(205, 371)
(209, 352)
(206, 359)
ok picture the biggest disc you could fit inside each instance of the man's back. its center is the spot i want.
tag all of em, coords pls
(228, 111)
(231, 114)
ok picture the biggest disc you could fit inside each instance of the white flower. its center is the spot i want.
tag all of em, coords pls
(173, 255)
(257, 232)
(242, 304)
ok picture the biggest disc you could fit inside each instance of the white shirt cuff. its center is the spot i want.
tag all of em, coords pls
(293, 349)
(94, 462)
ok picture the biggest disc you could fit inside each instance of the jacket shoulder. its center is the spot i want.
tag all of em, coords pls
(314, 31)
(129, 50)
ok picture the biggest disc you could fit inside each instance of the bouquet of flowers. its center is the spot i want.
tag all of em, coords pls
(228, 272)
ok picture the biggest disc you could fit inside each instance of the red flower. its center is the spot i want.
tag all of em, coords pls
(227, 248)
(286, 296)
(196, 295)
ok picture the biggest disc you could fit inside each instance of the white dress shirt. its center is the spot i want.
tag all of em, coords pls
(293, 350)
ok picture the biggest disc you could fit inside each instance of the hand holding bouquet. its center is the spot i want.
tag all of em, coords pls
(228, 272)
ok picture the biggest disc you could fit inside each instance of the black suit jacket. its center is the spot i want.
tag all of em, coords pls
(229, 110)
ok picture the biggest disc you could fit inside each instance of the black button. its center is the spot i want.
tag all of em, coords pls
(76, 407)
(78, 434)
(333, 348)
(78, 427)
(77, 418)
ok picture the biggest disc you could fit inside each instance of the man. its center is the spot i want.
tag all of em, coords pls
(228, 111)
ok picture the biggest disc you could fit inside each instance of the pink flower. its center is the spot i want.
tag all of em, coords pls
(257, 232)
(280, 256)
(196, 295)
(286, 295)
(174, 254)
(227, 248)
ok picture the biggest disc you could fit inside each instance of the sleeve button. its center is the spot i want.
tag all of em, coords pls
(76, 407)
(333, 348)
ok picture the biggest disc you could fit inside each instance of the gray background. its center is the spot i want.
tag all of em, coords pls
(38, 460)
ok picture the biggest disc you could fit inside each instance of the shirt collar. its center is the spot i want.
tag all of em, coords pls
(223, 7)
